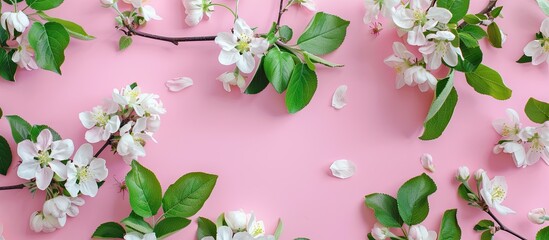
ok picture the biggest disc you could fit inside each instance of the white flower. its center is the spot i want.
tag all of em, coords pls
(427, 162)
(23, 56)
(127, 96)
(338, 99)
(149, 104)
(14, 21)
(401, 60)
(537, 216)
(419, 232)
(237, 220)
(417, 19)
(374, 7)
(62, 206)
(309, 4)
(43, 158)
(240, 47)
(178, 84)
(538, 142)
(225, 233)
(101, 121)
(494, 192)
(508, 128)
(40, 222)
(130, 146)
(195, 10)
(232, 79)
(440, 48)
(479, 173)
(420, 76)
(146, 11)
(84, 172)
(538, 49)
(343, 168)
(380, 232)
(138, 236)
(107, 3)
(516, 150)
(462, 174)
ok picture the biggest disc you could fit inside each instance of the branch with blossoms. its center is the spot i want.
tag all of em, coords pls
(43, 45)
(289, 68)
(447, 38)
(125, 123)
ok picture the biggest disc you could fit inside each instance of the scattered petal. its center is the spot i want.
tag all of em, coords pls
(338, 100)
(427, 162)
(343, 169)
(178, 84)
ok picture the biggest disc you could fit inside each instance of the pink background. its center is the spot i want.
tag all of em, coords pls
(268, 161)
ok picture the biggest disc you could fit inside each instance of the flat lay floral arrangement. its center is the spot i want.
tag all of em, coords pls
(148, 122)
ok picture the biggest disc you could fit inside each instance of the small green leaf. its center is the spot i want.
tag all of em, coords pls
(278, 67)
(412, 199)
(544, 5)
(279, 229)
(285, 33)
(317, 59)
(137, 222)
(310, 64)
(124, 42)
(524, 59)
(468, 40)
(49, 42)
(543, 234)
(494, 35)
(487, 81)
(7, 67)
(537, 111)
(475, 31)
(36, 129)
(458, 8)
(471, 19)
(370, 236)
(169, 226)
(472, 58)
(464, 192)
(144, 189)
(449, 227)
(486, 235)
(206, 228)
(301, 88)
(497, 11)
(109, 230)
(20, 129)
(43, 4)
(385, 209)
(324, 34)
(260, 81)
(483, 225)
(188, 194)
(5, 156)
(4, 36)
(220, 221)
(441, 109)
(74, 30)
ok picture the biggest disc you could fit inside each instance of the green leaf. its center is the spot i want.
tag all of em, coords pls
(464, 192)
(524, 59)
(278, 67)
(206, 228)
(169, 226)
(124, 42)
(188, 194)
(497, 11)
(43, 4)
(10, 2)
(494, 35)
(468, 40)
(49, 42)
(537, 111)
(487, 81)
(137, 222)
(144, 189)
(4, 36)
(5, 156)
(36, 129)
(285, 33)
(385, 209)
(317, 59)
(543, 234)
(279, 229)
(20, 129)
(74, 30)
(544, 5)
(441, 109)
(458, 8)
(483, 225)
(324, 34)
(109, 230)
(475, 31)
(472, 58)
(413, 204)
(449, 227)
(260, 81)
(471, 19)
(456, 42)
(220, 221)
(310, 64)
(488, 236)
(7, 66)
(370, 236)
(301, 88)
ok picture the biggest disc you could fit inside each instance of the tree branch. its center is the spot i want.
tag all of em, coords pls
(280, 12)
(489, 7)
(130, 31)
(501, 226)
(18, 186)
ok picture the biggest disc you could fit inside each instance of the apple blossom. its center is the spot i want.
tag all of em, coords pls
(130, 146)
(101, 121)
(539, 48)
(494, 192)
(309, 4)
(24, 55)
(14, 21)
(479, 173)
(149, 104)
(537, 216)
(419, 232)
(232, 79)
(375, 7)
(237, 220)
(139, 236)
(127, 96)
(538, 142)
(440, 48)
(416, 19)
(508, 128)
(84, 172)
(241, 46)
(380, 232)
(40, 222)
(146, 11)
(225, 233)
(427, 162)
(401, 60)
(43, 158)
(420, 76)
(516, 150)
(195, 10)
(62, 206)
(107, 3)
(463, 174)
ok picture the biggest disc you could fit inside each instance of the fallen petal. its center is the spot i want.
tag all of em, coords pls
(338, 100)
(343, 169)
(178, 84)
(427, 162)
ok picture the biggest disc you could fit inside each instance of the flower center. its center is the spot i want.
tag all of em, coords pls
(536, 144)
(498, 193)
(83, 174)
(101, 119)
(545, 44)
(440, 47)
(420, 18)
(43, 158)
(243, 44)
(509, 131)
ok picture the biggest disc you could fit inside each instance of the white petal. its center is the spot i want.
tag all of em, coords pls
(533, 48)
(27, 151)
(224, 233)
(28, 170)
(246, 64)
(94, 135)
(178, 84)
(83, 155)
(87, 119)
(99, 169)
(44, 140)
(43, 178)
(442, 15)
(62, 149)
(338, 99)
(229, 57)
(545, 28)
(427, 162)
(226, 41)
(343, 169)
(59, 168)
(89, 188)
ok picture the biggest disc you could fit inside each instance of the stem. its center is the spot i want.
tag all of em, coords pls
(130, 31)
(18, 186)
(501, 226)
(280, 12)
(486, 10)
(226, 7)
(107, 143)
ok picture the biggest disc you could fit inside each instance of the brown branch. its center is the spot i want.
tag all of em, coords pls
(280, 12)
(130, 31)
(489, 7)
(501, 226)
(18, 186)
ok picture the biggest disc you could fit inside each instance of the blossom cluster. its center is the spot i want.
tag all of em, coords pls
(15, 23)
(240, 226)
(527, 145)
(140, 12)
(417, 232)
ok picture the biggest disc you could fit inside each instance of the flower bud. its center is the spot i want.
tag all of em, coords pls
(478, 174)
(40, 222)
(107, 3)
(380, 232)
(462, 174)
(237, 220)
(427, 162)
(537, 215)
